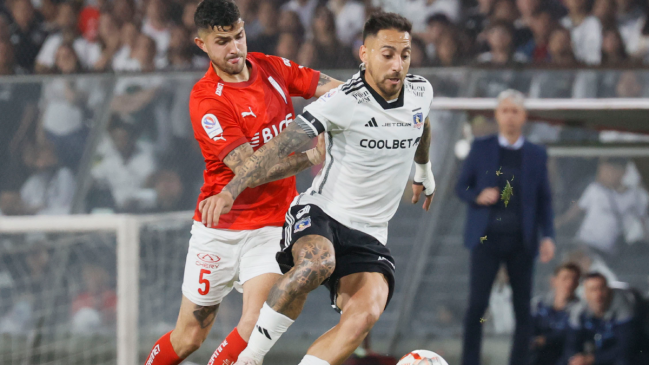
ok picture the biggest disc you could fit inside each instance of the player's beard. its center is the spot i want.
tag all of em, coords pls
(231, 69)
(389, 89)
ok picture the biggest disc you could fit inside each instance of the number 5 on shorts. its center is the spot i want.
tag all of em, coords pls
(202, 280)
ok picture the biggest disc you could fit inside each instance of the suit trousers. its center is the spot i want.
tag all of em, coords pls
(486, 259)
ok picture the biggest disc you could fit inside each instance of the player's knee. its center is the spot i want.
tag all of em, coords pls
(361, 323)
(186, 343)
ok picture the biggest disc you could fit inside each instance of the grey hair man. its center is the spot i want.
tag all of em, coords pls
(504, 182)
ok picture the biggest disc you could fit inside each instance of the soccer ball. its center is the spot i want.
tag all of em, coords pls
(422, 357)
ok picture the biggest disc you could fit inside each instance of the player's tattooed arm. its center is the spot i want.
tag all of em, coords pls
(205, 315)
(253, 172)
(259, 165)
(422, 152)
(289, 166)
(325, 83)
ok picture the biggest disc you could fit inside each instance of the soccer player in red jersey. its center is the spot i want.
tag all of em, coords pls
(242, 102)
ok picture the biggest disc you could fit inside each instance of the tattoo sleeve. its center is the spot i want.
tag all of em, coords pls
(421, 155)
(286, 167)
(258, 167)
(205, 315)
(325, 83)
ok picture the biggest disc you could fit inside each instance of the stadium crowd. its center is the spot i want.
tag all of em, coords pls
(57, 36)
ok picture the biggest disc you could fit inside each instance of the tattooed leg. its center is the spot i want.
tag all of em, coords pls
(193, 325)
(315, 261)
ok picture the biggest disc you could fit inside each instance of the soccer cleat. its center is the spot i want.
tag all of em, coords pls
(244, 360)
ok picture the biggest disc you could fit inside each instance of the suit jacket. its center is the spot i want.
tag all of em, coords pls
(479, 172)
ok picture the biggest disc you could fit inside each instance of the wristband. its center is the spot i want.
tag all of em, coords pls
(424, 176)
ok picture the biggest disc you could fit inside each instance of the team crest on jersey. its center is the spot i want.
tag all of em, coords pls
(302, 224)
(212, 127)
(418, 119)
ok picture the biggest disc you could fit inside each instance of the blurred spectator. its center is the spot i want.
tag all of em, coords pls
(108, 41)
(266, 41)
(66, 104)
(418, 53)
(169, 192)
(156, 25)
(179, 53)
(506, 11)
(436, 25)
(630, 85)
(289, 22)
(606, 328)
(304, 8)
(551, 314)
(536, 49)
(124, 11)
(560, 51)
(585, 32)
(613, 208)
(49, 190)
(502, 52)
(199, 58)
(27, 33)
(640, 49)
(248, 11)
(94, 308)
(125, 165)
(478, 17)
(325, 50)
(350, 18)
(448, 51)
(418, 11)
(66, 25)
(287, 46)
(47, 10)
(527, 9)
(123, 59)
(630, 19)
(7, 60)
(605, 11)
(4, 27)
(142, 56)
(613, 51)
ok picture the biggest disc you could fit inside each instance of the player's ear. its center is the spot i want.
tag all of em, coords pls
(362, 53)
(200, 43)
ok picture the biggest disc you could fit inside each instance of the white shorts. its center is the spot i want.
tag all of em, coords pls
(219, 260)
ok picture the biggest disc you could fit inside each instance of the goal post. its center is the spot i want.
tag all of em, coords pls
(126, 230)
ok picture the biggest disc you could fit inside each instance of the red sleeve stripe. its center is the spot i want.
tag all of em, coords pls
(237, 142)
(314, 84)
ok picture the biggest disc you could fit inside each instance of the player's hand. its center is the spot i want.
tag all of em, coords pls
(488, 196)
(321, 147)
(417, 189)
(213, 207)
(546, 250)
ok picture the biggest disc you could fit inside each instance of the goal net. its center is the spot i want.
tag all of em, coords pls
(89, 289)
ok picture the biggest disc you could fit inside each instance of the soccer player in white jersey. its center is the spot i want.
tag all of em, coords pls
(335, 233)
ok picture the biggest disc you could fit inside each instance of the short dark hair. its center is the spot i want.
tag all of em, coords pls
(570, 266)
(596, 275)
(381, 20)
(216, 13)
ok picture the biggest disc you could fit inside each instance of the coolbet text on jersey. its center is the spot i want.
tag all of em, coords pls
(226, 115)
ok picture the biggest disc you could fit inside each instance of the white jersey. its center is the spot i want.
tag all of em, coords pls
(370, 145)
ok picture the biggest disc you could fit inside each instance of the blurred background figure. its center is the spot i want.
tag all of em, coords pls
(585, 31)
(551, 313)
(502, 51)
(497, 232)
(93, 308)
(605, 329)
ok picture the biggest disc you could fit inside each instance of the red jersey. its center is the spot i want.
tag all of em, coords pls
(226, 115)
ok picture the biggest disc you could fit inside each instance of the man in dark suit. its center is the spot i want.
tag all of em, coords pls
(505, 230)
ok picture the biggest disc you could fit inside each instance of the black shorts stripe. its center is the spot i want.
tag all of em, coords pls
(331, 159)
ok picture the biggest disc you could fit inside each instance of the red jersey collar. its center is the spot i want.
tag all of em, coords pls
(253, 75)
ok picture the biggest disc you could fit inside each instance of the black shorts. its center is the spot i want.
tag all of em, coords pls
(355, 251)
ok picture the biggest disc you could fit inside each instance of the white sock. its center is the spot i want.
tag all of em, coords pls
(312, 360)
(269, 328)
